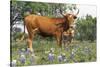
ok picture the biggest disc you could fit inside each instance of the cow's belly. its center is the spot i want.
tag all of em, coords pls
(47, 29)
(45, 34)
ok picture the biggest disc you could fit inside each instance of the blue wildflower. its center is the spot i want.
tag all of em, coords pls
(60, 59)
(27, 51)
(22, 59)
(20, 52)
(51, 57)
(72, 53)
(64, 57)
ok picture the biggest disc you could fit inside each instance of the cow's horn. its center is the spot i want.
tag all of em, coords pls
(61, 12)
(77, 12)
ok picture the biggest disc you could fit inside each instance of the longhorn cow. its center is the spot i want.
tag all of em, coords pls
(46, 26)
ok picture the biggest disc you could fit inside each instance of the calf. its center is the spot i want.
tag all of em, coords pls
(68, 36)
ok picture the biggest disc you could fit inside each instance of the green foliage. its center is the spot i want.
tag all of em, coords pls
(86, 28)
(16, 36)
(47, 9)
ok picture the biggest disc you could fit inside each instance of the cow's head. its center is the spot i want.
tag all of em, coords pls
(70, 18)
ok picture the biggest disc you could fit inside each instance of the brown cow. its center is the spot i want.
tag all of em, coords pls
(48, 26)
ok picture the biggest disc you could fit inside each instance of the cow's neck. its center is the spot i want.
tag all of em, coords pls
(62, 22)
(65, 25)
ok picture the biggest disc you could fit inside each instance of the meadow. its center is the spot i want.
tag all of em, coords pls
(47, 52)
(82, 49)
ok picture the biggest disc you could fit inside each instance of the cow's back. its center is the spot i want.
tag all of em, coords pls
(30, 21)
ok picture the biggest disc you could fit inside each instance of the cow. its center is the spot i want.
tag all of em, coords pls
(67, 36)
(46, 26)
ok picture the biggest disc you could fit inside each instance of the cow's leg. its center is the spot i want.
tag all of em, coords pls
(29, 40)
(59, 39)
(30, 37)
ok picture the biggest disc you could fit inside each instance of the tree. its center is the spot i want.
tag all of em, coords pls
(86, 28)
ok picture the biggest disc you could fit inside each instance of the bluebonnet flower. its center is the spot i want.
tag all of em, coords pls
(20, 52)
(13, 63)
(27, 51)
(22, 59)
(60, 59)
(64, 57)
(73, 53)
(51, 57)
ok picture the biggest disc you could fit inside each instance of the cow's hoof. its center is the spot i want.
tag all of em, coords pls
(31, 50)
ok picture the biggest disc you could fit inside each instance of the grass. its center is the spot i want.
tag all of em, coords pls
(75, 53)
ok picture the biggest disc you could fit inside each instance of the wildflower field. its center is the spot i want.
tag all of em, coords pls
(47, 52)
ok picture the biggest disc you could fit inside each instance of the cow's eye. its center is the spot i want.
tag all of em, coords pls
(74, 17)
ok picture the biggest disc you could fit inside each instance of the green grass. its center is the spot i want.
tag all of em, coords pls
(85, 52)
